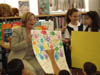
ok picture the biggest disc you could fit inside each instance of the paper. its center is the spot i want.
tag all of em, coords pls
(23, 7)
(44, 42)
(85, 48)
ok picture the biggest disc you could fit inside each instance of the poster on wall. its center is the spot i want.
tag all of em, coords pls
(23, 7)
(48, 48)
(85, 48)
(43, 7)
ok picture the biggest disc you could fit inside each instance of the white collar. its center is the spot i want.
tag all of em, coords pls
(71, 25)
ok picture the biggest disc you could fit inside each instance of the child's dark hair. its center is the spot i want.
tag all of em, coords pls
(64, 72)
(15, 67)
(95, 26)
(90, 68)
(69, 13)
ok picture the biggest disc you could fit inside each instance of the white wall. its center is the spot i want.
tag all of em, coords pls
(90, 5)
(34, 6)
(12, 3)
(94, 5)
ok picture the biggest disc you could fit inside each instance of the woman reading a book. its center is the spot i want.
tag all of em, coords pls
(21, 46)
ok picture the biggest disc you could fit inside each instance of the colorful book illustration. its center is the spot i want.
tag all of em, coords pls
(43, 7)
(0, 31)
(23, 7)
(16, 24)
(48, 48)
(44, 25)
(6, 31)
(7, 34)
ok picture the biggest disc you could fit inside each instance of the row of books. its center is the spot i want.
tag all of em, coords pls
(6, 29)
(59, 22)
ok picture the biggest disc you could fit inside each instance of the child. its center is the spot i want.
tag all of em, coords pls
(92, 21)
(89, 68)
(64, 72)
(16, 67)
(72, 19)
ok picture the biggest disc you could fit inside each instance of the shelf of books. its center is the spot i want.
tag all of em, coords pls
(55, 21)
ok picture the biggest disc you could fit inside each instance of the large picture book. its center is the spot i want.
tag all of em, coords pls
(49, 51)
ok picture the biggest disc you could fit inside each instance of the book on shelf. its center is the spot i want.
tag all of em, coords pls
(44, 25)
(23, 7)
(6, 31)
(0, 31)
(7, 34)
(43, 7)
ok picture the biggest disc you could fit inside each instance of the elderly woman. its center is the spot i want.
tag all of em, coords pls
(21, 46)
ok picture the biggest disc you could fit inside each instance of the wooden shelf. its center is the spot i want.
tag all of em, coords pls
(50, 15)
(10, 17)
(36, 16)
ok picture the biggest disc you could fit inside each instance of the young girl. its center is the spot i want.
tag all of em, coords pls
(89, 68)
(92, 21)
(72, 19)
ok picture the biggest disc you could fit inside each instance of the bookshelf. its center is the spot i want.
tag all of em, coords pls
(36, 16)
(58, 19)
(52, 15)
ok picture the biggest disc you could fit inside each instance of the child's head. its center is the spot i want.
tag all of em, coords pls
(89, 68)
(64, 72)
(92, 19)
(15, 67)
(72, 15)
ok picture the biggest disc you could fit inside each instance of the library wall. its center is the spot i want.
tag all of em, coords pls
(94, 5)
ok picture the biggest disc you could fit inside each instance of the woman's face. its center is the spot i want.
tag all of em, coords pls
(30, 23)
(74, 17)
(88, 20)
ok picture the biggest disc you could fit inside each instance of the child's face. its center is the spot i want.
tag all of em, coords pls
(74, 17)
(88, 20)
